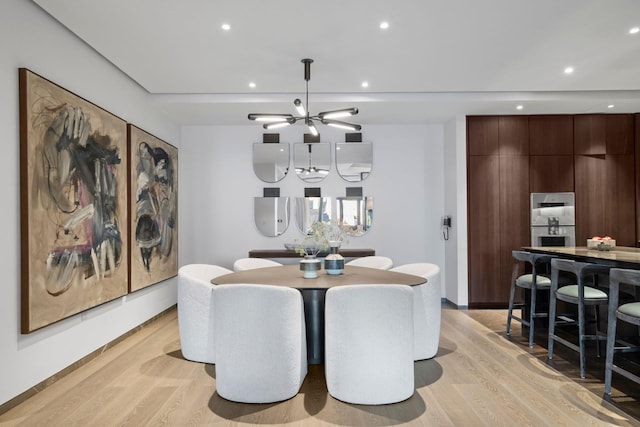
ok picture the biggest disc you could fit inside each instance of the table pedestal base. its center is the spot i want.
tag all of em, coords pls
(313, 300)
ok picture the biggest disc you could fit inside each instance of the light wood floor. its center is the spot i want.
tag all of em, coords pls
(479, 377)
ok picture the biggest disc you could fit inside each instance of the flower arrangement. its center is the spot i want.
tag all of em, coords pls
(314, 242)
(320, 236)
(335, 234)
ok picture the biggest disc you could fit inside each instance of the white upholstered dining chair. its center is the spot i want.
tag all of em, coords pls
(373, 261)
(261, 344)
(195, 305)
(427, 308)
(243, 264)
(369, 343)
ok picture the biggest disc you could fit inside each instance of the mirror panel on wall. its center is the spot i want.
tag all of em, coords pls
(271, 215)
(354, 160)
(312, 160)
(271, 161)
(354, 214)
(311, 209)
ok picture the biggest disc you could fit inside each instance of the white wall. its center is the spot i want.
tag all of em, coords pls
(218, 185)
(30, 38)
(455, 188)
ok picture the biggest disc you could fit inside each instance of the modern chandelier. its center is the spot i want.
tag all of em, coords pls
(273, 121)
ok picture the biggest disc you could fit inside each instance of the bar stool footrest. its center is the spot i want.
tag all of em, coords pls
(625, 373)
(567, 343)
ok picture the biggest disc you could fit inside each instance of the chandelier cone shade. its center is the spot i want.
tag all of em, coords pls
(276, 120)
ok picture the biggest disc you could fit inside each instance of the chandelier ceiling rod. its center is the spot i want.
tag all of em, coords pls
(273, 121)
(307, 76)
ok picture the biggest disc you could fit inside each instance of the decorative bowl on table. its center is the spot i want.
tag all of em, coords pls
(601, 243)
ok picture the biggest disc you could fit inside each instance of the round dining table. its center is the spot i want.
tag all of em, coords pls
(313, 292)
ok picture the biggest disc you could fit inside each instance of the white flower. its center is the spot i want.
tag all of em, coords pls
(318, 238)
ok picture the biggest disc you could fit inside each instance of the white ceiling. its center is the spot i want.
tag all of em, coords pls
(437, 59)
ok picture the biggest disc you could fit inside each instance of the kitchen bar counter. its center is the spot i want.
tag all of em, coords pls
(620, 256)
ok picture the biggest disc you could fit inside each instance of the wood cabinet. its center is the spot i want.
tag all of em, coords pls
(482, 136)
(498, 136)
(605, 198)
(597, 134)
(484, 221)
(551, 135)
(590, 191)
(498, 182)
(590, 134)
(620, 134)
(605, 177)
(514, 229)
(510, 157)
(551, 174)
(513, 136)
(551, 148)
(619, 205)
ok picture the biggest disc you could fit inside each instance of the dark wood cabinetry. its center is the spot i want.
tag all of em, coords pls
(510, 157)
(514, 230)
(597, 134)
(605, 177)
(590, 191)
(513, 136)
(619, 204)
(498, 185)
(551, 174)
(590, 131)
(482, 136)
(620, 134)
(551, 135)
(484, 220)
(551, 148)
(605, 198)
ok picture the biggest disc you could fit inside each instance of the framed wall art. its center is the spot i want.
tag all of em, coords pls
(73, 190)
(154, 209)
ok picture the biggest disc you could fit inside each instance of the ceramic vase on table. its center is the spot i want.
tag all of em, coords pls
(334, 262)
(310, 267)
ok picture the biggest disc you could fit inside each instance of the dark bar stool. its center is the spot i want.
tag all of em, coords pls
(533, 282)
(629, 313)
(580, 295)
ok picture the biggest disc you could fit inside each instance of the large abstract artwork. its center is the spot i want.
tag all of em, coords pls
(154, 209)
(73, 173)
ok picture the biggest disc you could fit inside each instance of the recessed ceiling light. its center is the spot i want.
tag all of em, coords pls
(519, 107)
(568, 70)
(226, 27)
(634, 30)
(365, 84)
(252, 85)
(384, 25)
(610, 106)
